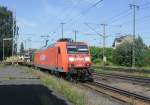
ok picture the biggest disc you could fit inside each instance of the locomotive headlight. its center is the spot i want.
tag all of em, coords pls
(87, 59)
(71, 59)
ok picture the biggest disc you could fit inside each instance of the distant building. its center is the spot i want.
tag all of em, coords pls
(122, 39)
(28, 51)
(27, 55)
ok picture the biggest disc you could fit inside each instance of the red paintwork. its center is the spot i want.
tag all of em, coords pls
(80, 60)
(50, 58)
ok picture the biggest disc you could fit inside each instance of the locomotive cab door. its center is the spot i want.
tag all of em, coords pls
(59, 59)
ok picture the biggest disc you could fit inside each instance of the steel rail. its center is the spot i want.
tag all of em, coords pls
(120, 91)
(125, 77)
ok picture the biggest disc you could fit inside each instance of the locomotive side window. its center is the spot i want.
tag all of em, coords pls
(59, 50)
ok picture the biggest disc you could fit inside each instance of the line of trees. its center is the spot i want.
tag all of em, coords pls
(122, 54)
(97, 54)
(7, 30)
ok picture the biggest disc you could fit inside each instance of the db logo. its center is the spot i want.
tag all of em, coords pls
(42, 57)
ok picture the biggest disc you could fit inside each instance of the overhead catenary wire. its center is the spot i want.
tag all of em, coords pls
(120, 17)
(64, 11)
(65, 14)
(126, 13)
(83, 12)
(70, 20)
(70, 11)
(117, 16)
(92, 28)
(141, 19)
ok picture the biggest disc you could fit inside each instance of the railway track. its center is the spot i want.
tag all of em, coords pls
(119, 94)
(124, 77)
(123, 69)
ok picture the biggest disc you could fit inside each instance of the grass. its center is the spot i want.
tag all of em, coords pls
(11, 78)
(67, 89)
(2, 66)
(122, 72)
(72, 93)
(99, 69)
(147, 67)
(75, 93)
(117, 66)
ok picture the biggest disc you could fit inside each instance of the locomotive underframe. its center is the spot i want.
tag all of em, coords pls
(79, 74)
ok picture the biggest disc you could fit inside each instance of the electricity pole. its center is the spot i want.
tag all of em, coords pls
(104, 42)
(29, 42)
(3, 51)
(17, 36)
(134, 7)
(104, 36)
(75, 35)
(62, 29)
(14, 40)
(13, 31)
(24, 44)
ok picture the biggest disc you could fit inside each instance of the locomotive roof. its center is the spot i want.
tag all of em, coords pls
(65, 40)
(76, 43)
(68, 43)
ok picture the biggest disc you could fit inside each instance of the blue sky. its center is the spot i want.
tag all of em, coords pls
(43, 17)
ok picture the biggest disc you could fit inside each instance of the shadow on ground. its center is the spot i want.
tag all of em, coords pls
(28, 95)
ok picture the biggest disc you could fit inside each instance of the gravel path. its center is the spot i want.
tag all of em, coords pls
(17, 87)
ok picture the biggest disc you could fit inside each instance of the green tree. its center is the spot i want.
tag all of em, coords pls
(122, 55)
(21, 48)
(6, 30)
(147, 57)
(97, 54)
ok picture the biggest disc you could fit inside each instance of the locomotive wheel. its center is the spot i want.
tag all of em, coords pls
(56, 73)
(68, 77)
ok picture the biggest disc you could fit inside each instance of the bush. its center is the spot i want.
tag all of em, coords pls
(122, 55)
(97, 61)
(97, 54)
(147, 58)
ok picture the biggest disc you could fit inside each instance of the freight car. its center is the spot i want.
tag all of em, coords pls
(69, 59)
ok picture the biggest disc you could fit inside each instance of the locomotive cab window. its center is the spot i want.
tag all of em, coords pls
(73, 49)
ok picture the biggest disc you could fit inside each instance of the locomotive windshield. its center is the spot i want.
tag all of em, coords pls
(73, 49)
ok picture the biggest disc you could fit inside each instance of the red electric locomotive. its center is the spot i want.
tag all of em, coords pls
(68, 58)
